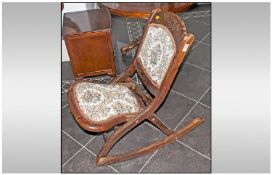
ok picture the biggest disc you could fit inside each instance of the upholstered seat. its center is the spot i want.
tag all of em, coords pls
(99, 102)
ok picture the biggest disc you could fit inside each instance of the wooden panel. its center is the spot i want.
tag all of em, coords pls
(87, 36)
(90, 53)
(143, 10)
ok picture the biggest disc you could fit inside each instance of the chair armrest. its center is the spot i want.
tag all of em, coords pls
(129, 47)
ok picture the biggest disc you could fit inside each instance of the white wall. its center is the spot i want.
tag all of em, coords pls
(70, 7)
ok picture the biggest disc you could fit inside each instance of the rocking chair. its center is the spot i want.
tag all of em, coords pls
(121, 104)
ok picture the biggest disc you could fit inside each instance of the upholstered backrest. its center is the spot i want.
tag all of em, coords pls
(159, 46)
(157, 51)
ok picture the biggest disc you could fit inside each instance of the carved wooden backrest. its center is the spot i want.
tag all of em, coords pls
(158, 48)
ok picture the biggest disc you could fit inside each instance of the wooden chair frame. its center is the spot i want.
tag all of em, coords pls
(149, 102)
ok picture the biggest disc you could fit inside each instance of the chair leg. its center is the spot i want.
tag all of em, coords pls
(158, 123)
(105, 160)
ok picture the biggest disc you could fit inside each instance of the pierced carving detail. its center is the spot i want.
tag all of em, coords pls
(174, 23)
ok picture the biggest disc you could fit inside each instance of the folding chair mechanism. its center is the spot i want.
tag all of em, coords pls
(121, 105)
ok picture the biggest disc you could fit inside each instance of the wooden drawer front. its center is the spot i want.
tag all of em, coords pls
(90, 53)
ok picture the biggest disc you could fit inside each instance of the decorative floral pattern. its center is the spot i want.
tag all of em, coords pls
(100, 102)
(157, 53)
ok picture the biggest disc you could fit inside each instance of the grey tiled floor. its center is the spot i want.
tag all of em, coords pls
(190, 96)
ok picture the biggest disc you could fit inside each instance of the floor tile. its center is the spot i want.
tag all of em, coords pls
(199, 138)
(206, 99)
(70, 126)
(207, 39)
(174, 108)
(104, 79)
(205, 20)
(197, 8)
(66, 71)
(134, 139)
(65, 85)
(68, 147)
(195, 43)
(63, 100)
(202, 7)
(84, 162)
(201, 56)
(192, 81)
(176, 158)
(198, 29)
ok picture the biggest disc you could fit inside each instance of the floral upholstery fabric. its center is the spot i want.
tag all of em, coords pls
(102, 101)
(157, 52)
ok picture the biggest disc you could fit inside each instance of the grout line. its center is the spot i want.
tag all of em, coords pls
(72, 157)
(90, 151)
(64, 106)
(204, 105)
(63, 89)
(191, 108)
(201, 40)
(90, 141)
(196, 14)
(76, 140)
(183, 95)
(180, 142)
(148, 161)
(189, 98)
(193, 150)
(71, 137)
(113, 169)
(96, 156)
(185, 18)
(187, 62)
(65, 82)
(82, 146)
(197, 11)
(200, 22)
(152, 126)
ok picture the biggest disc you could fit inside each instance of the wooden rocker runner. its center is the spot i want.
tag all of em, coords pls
(121, 104)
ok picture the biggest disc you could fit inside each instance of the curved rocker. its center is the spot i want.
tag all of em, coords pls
(122, 105)
(147, 149)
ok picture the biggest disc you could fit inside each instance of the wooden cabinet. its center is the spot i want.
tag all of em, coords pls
(87, 36)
